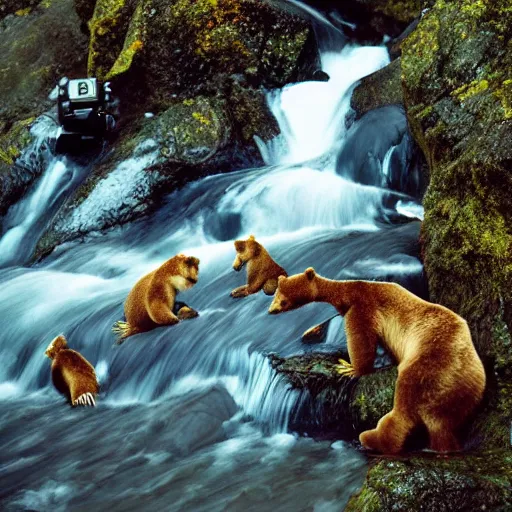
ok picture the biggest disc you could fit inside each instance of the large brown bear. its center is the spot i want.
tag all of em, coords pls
(72, 374)
(262, 270)
(151, 301)
(441, 379)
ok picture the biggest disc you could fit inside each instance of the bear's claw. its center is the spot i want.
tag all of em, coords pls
(345, 368)
(87, 399)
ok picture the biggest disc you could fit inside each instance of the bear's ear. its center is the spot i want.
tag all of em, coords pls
(310, 273)
(280, 279)
(251, 237)
(191, 261)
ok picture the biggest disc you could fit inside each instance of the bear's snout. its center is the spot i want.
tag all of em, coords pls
(274, 309)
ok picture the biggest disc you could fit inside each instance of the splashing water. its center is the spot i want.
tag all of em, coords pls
(216, 364)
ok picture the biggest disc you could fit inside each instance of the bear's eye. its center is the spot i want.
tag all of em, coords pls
(284, 303)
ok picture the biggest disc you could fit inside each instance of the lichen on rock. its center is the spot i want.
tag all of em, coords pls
(456, 74)
(437, 483)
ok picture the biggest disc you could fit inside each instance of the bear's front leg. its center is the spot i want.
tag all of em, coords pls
(361, 344)
(240, 292)
(185, 313)
(160, 313)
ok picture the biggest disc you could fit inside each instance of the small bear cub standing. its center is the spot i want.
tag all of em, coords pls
(262, 270)
(72, 374)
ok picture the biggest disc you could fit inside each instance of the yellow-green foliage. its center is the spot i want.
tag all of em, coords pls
(402, 10)
(504, 94)
(104, 27)
(23, 12)
(419, 51)
(13, 141)
(133, 44)
(212, 25)
(469, 90)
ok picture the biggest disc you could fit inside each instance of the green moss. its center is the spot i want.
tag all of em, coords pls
(108, 27)
(436, 483)
(133, 44)
(14, 141)
(372, 398)
(469, 90)
(419, 51)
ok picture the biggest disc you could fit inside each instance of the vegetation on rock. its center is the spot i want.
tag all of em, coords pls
(457, 72)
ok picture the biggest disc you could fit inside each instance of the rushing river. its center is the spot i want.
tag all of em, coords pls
(191, 417)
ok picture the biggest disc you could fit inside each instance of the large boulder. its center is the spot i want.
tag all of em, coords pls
(457, 81)
(186, 47)
(37, 47)
(39, 42)
(154, 156)
(382, 88)
(437, 483)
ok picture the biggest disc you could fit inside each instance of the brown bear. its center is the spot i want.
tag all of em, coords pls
(151, 301)
(72, 374)
(441, 379)
(262, 270)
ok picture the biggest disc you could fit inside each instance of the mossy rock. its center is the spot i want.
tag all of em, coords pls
(437, 483)
(177, 146)
(384, 87)
(38, 47)
(457, 82)
(186, 47)
(342, 406)
(13, 141)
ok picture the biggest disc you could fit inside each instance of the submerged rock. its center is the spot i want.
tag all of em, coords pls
(340, 406)
(457, 79)
(380, 151)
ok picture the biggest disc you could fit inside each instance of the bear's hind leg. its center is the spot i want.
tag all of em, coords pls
(442, 437)
(390, 434)
(270, 287)
(82, 392)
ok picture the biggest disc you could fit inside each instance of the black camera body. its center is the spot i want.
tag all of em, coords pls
(85, 113)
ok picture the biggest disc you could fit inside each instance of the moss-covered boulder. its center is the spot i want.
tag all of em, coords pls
(154, 156)
(185, 47)
(339, 405)
(384, 87)
(437, 483)
(37, 47)
(457, 81)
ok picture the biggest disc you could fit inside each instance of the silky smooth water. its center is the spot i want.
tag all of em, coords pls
(192, 417)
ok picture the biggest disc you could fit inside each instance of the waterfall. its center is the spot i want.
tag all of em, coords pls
(298, 206)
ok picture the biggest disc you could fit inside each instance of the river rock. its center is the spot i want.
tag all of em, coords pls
(384, 87)
(457, 80)
(186, 47)
(436, 482)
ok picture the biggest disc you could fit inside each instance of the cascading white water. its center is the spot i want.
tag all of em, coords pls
(304, 214)
(311, 114)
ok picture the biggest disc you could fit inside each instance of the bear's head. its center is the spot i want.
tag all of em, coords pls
(294, 291)
(184, 271)
(56, 345)
(246, 250)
